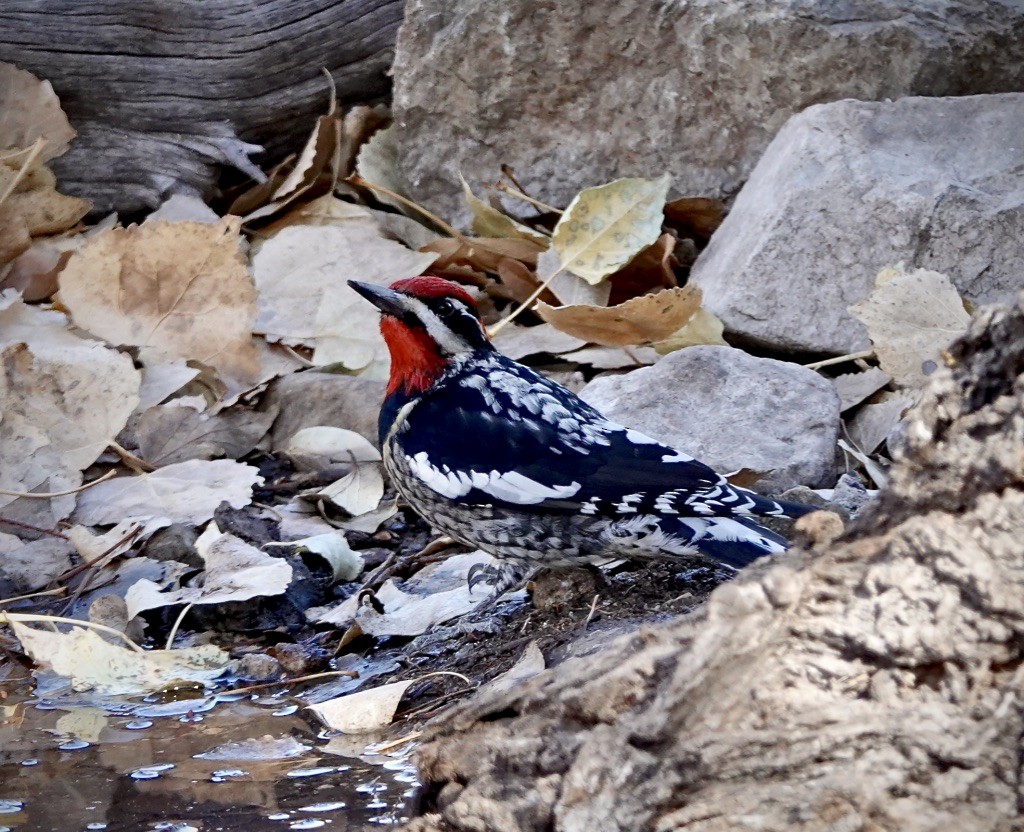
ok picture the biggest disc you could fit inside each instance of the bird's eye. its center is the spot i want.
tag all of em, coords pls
(446, 308)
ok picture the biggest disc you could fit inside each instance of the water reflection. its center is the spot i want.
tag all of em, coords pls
(127, 767)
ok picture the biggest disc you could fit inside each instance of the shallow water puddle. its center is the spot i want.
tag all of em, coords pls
(252, 763)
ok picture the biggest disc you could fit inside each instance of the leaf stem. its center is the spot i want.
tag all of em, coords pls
(46, 495)
(536, 203)
(840, 359)
(504, 322)
(356, 179)
(19, 618)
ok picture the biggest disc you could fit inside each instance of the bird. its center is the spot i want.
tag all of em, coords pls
(498, 457)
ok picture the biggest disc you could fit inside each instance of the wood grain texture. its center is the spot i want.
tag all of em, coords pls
(162, 94)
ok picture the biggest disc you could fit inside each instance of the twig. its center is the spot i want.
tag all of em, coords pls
(69, 574)
(33, 153)
(29, 527)
(590, 615)
(46, 495)
(351, 674)
(391, 746)
(840, 359)
(356, 179)
(536, 203)
(177, 624)
(18, 617)
(137, 464)
(58, 591)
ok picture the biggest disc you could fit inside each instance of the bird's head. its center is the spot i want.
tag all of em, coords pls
(426, 322)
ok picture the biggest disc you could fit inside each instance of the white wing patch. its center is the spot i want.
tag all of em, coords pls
(511, 486)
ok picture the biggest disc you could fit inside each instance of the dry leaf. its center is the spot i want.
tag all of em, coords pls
(853, 388)
(702, 328)
(695, 217)
(378, 164)
(874, 470)
(160, 380)
(612, 358)
(490, 222)
(605, 227)
(652, 269)
(14, 236)
(873, 423)
(175, 432)
(346, 565)
(321, 446)
(530, 664)
(637, 321)
(31, 566)
(363, 711)
(177, 290)
(520, 341)
(481, 253)
(324, 210)
(183, 208)
(90, 662)
(235, 571)
(911, 317)
(188, 492)
(303, 297)
(570, 289)
(359, 491)
(31, 111)
(63, 399)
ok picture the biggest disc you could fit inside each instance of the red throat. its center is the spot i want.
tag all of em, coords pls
(415, 364)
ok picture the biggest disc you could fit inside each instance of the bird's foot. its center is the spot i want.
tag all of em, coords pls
(502, 576)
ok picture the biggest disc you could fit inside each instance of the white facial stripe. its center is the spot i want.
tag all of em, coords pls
(449, 342)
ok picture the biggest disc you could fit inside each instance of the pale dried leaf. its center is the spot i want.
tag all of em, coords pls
(177, 290)
(605, 227)
(31, 110)
(520, 341)
(183, 208)
(235, 571)
(33, 565)
(530, 664)
(346, 564)
(187, 492)
(14, 236)
(321, 446)
(303, 297)
(874, 470)
(363, 711)
(175, 432)
(371, 521)
(490, 222)
(45, 211)
(63, 399)
(359, 491)
(324, 210)
(612, 358)
(378, 164)
(90, 662)
(637, 321)
(853, 388)
(570, 289)
(118, 540)
(163, 379)
(911, 317)
(872, 424)
(702, 328)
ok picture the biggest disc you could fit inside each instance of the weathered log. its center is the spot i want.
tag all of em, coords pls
(163, 94)
(871, 683)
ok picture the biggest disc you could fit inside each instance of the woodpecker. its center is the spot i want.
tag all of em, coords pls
(498, 457)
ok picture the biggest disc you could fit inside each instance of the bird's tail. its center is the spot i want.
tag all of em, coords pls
(732, 541)
(768, 507)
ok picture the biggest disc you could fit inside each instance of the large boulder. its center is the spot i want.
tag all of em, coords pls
(577, 93)
(731, 410)
(848, 188)
(872, 683)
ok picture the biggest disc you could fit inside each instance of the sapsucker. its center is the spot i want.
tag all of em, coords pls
(499, 457)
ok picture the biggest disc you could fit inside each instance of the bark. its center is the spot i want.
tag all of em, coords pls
(870, 683)
(163, 94)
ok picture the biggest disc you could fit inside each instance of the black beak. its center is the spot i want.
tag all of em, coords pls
(388, 302)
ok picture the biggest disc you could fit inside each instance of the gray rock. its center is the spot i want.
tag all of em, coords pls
(848, 188)
(578, 93)
(311, 398)
(731, 410)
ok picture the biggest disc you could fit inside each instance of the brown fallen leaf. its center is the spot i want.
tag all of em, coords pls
(637, 321)
(653, 268)
(31, 111)
(177, 290)
(14, 236)
(484, 253)
(695, 217)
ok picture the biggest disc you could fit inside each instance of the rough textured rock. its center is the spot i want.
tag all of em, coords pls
(846, 189)
(873, 684)
(577, 93)
(162, 94)
(732, 410)
(311, 398)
